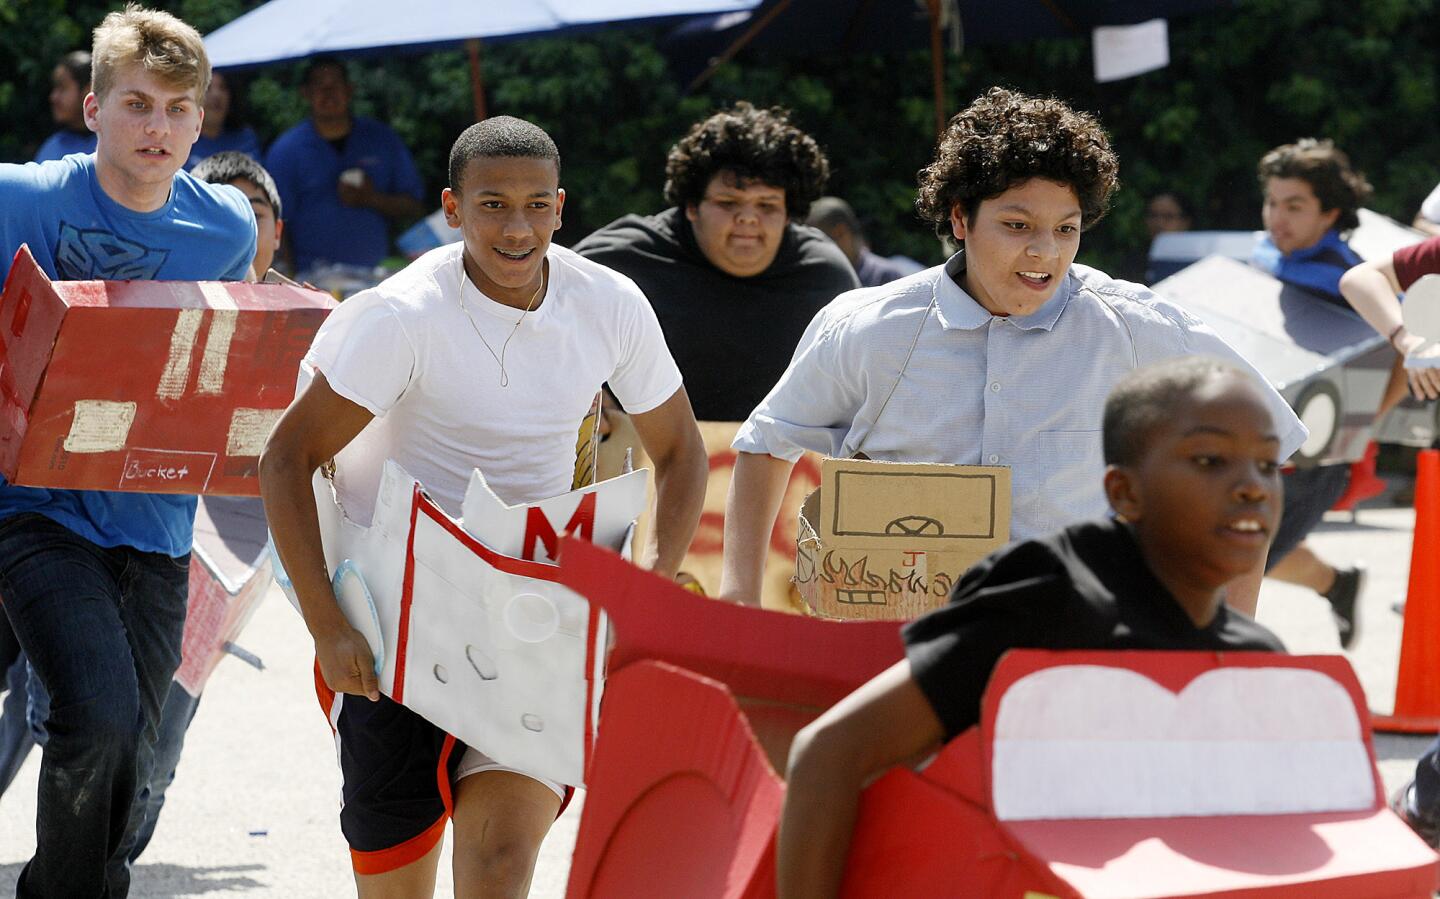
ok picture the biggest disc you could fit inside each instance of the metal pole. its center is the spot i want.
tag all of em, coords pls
(477, 77)
(739, 45)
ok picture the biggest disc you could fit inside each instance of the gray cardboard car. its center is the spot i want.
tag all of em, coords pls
(1323, 358)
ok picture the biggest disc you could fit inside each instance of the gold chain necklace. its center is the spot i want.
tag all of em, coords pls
(500, 359)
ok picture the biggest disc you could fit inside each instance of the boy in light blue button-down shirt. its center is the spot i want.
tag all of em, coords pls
(1002, 356)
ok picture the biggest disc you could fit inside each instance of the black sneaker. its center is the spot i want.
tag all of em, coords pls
(1343, 595)
(1402, 803)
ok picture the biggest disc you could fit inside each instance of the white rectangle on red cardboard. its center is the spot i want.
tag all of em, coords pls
(166, 471)
(249, 429)
(99, 426)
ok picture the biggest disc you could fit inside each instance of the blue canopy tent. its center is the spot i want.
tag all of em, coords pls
(859, 26)
(285, 30)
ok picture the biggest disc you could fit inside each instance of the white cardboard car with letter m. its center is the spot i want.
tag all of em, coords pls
(467, 622)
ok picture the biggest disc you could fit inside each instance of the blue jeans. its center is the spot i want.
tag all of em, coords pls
(101, 627)
(1426, 800)
(1309, 494)
(16, 739)
(175, 719)
(18, 736)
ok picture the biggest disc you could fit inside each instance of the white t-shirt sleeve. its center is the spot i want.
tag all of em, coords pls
(365, 354)
(646, 374)
(1189, 336)
(814, 404)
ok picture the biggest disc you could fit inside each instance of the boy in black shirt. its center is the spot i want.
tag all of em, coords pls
(1192, 474)
(733, 272)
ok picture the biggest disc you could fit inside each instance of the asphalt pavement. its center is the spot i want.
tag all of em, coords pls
(253, 811)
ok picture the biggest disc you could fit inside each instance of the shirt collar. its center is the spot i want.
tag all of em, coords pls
(958, 311)
(1269, 256)
(1330, 240)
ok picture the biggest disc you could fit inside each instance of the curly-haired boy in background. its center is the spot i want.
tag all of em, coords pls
(733, 278)
(1002, 356)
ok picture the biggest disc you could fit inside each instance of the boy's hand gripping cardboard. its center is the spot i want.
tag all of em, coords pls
(889, 540)
(468, 622)
(152, 386)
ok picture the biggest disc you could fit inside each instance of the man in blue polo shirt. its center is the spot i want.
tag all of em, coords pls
(94, 583)
(341, 177)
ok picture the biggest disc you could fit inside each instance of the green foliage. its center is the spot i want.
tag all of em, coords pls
(33, 35)
(1363, 72)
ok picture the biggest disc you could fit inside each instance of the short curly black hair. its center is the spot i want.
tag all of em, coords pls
(1327, 170)
(1147, 398)
(756, 145)
(1005, 138)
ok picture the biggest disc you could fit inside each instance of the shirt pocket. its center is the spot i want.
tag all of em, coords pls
(1071, 469)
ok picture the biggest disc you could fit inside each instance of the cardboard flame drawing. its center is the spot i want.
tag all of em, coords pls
(468, 623)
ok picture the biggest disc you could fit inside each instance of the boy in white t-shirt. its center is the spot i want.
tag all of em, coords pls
(484, 354)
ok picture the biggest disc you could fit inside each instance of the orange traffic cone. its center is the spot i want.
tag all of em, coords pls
(1417, 688)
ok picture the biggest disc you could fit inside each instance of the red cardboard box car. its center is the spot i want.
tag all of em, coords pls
(151, 386)
(1092, 775)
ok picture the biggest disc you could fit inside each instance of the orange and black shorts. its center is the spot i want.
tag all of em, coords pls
(397, 771)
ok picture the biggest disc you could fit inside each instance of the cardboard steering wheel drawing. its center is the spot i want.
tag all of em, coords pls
(467, 621)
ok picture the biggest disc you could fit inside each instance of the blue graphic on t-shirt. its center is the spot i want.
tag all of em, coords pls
(84, 255)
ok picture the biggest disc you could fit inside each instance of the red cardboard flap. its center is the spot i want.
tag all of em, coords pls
(1194, 774)
(28, 305)
(1338, 856)
(1348, 854)
(686, 810)
(758, 653)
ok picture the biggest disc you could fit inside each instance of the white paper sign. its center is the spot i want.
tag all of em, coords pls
(1123, 51)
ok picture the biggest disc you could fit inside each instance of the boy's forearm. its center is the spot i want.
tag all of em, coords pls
(757, 488)
(295, 528)
(679, 497)
(885, 722)
(1371, 294)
